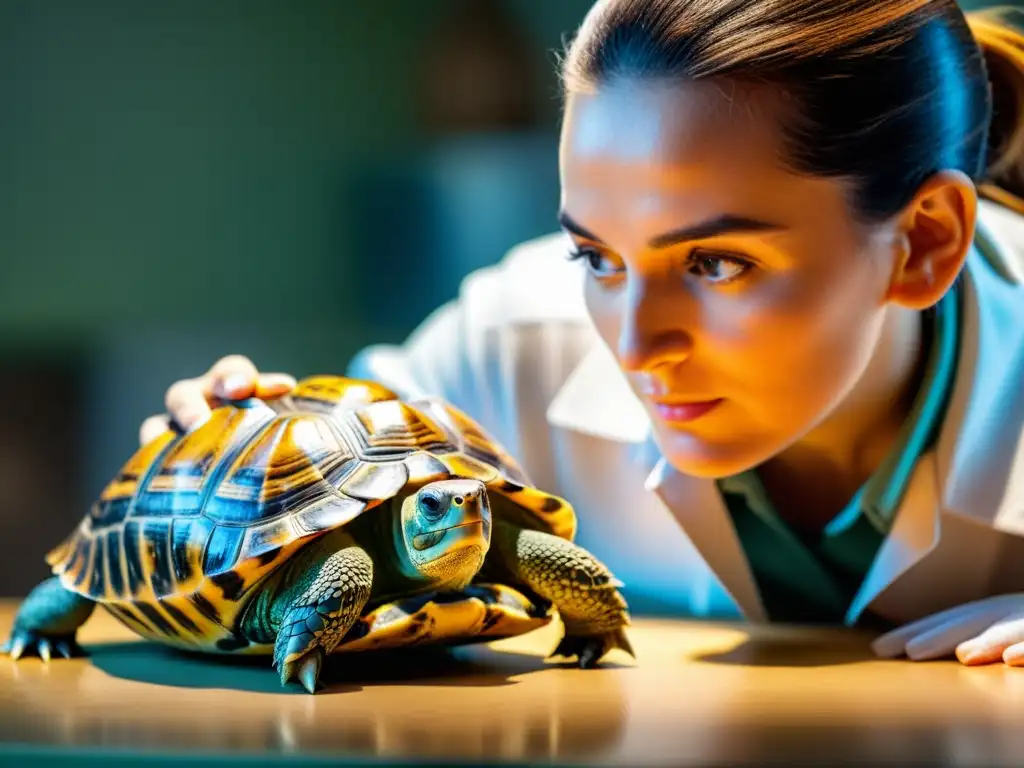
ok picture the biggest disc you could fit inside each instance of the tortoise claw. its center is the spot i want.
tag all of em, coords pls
(304, 670)
(589, 650)
(309, 672)
(17, 648)
(23, 643)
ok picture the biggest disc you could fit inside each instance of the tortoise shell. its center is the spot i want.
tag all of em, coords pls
(479, 613)
(183, 535)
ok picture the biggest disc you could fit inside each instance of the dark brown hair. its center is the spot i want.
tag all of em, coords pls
(887, 91)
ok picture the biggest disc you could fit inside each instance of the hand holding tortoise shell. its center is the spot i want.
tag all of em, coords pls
(310, 523)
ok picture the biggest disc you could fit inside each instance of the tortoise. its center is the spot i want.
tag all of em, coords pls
(339, 517)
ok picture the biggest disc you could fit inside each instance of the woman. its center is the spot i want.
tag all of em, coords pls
(780, 373)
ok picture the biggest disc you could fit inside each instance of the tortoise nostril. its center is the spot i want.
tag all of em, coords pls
(458, 501)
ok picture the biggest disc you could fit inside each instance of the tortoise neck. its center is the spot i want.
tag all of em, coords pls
(406, 568)
(394, 571)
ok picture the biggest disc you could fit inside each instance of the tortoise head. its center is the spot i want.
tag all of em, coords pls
(446, 531)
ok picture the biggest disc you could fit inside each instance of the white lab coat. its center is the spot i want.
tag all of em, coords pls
(516, 350)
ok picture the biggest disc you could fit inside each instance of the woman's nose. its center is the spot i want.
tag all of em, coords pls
(652, 333)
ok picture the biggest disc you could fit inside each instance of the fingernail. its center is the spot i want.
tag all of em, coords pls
(967, 645)
(969, 653)
(275, 383)
(236, 382)
(1014, 659)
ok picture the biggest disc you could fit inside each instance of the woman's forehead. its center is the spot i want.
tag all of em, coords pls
(680, 151)
(669, 127)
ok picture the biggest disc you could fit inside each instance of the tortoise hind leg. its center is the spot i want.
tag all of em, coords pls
(47, 621)
(317, 610)
(578, 584)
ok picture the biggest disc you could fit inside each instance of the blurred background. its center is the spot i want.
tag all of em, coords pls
(288, 181)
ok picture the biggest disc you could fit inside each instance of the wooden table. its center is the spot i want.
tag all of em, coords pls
(700, 694)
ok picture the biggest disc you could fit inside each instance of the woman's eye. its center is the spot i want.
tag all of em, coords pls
(597, 262)
(717, 269)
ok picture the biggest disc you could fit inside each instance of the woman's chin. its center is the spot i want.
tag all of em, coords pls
(701, 457)
(707, 469)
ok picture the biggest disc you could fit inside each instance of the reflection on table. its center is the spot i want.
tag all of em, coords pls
(698, 692)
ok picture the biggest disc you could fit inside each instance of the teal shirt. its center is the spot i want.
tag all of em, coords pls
(814, 579)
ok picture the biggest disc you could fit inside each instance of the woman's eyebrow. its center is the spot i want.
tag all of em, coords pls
(725, 224)
(568, 224)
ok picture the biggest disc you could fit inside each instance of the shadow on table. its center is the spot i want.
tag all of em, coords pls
(788, 651)
(467, 667)
(563, 715)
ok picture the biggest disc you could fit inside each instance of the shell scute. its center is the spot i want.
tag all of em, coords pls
(115, 580)
(222, 549)
(462, 465)
(268, 537)
(424, 468)
(333, 394)
(125, 483)
(157, 562)
(189, 468)
(327, 514)
(131, 542)
(376, 482)
(109, 512)
(278, 472)
(188, 544)
(394, 429)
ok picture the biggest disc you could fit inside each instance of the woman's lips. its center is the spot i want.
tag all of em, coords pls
(684, 412)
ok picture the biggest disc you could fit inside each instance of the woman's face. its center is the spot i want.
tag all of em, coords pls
(743, 301)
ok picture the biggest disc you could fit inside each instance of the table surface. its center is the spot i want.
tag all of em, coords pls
(699, 693)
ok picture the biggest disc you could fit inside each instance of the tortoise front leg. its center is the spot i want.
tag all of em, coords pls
(47, 621)
(580, 586)
(316, 610)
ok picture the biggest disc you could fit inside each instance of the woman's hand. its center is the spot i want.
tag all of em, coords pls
(981, 632)
(190, 401)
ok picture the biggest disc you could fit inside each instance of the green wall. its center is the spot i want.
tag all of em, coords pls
(185, 162)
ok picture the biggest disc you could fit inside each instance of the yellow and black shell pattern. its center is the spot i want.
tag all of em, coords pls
(480, 613)
(181, 538)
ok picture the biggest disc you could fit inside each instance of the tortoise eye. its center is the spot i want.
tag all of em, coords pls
(431, 502)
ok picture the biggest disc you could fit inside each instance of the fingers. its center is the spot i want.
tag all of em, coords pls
(274, 384)
(153, 427)
(235, 377)
(991, 644)
(189, 402)
(942, 641)
(1014, 655)
(895, 642)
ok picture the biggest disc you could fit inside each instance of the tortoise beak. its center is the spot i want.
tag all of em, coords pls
(469, 533)
(472, 529)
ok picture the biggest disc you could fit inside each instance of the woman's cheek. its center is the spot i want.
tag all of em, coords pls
(605, 309)
(761, 321)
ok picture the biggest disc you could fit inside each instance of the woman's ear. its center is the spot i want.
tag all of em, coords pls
(935, 233)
